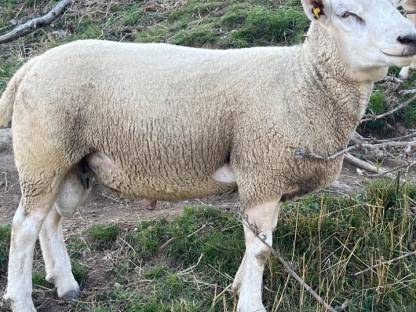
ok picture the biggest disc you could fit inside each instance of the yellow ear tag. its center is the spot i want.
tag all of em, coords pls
(316, 12)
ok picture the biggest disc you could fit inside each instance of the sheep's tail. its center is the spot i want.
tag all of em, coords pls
(9, 95)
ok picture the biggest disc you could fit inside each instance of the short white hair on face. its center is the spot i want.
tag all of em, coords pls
(369, 33)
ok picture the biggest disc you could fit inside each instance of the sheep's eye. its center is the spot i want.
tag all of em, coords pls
(347, 14)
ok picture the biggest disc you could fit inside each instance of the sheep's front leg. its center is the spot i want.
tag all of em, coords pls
(55, 255)
(249, 278)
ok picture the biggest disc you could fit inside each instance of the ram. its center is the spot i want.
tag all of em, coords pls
(165, 122)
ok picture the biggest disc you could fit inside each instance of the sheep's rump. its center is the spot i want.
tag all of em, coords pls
(160, 117)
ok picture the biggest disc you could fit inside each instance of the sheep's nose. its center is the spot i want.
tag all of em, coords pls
(408, 40)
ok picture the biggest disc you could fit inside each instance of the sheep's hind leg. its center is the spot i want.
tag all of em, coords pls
(73, 192)
(38, 195)
(249, 279)
(55, 255)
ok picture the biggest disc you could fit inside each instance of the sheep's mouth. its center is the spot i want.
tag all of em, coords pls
(400, 52)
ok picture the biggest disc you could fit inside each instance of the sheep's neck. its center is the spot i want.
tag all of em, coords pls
(342, 97)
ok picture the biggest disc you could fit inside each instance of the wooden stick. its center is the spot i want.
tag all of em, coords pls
(362, 164)
(35, 23)
(409, 254)
(391, 112)
(391, 143)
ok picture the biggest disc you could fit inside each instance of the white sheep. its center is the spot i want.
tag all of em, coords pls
(165, 122)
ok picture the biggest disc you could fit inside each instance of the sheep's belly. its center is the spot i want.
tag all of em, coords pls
(133, 183)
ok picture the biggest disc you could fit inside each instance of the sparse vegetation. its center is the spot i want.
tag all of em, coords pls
(5, 233)
(102, 236)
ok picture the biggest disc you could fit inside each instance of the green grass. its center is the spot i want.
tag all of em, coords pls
(7, 68)
(79, 271)
(5, 234)
(229, 24)
(38, 280)
(376, 106)
(103, 236)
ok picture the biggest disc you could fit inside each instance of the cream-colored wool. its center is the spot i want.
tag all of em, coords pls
(168, 117)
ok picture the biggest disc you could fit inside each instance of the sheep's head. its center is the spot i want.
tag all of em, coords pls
(369, 33)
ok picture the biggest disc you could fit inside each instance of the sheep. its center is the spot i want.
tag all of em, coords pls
(409, 7)
(165, 122)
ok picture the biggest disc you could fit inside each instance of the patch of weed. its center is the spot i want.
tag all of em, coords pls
(76, 247)
(80, 271)
(38, 279)
(5, 234)
(261, 26)
(102, 236)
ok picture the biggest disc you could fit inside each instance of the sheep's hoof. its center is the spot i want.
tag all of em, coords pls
(7, 303)
(70, 295)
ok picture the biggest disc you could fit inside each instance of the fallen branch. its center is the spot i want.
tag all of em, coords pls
(357, 138)
(409, 254)
(35, 23)
(390, 112)
(254, 229)
(393, 79)
(406, 166)
(362, 164)
(302, 153)
(408, 91)
(404, 137)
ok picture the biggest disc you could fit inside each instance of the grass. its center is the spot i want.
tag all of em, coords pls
(229, 24)
(184, 264)
(5, 234)
(102, 236)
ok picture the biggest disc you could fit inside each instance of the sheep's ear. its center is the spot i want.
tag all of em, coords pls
(316, 9)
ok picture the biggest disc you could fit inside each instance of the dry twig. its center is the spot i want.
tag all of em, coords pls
(390, 112)
(378, 149)
(35, 23)
(406, 255)
(362, 164)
